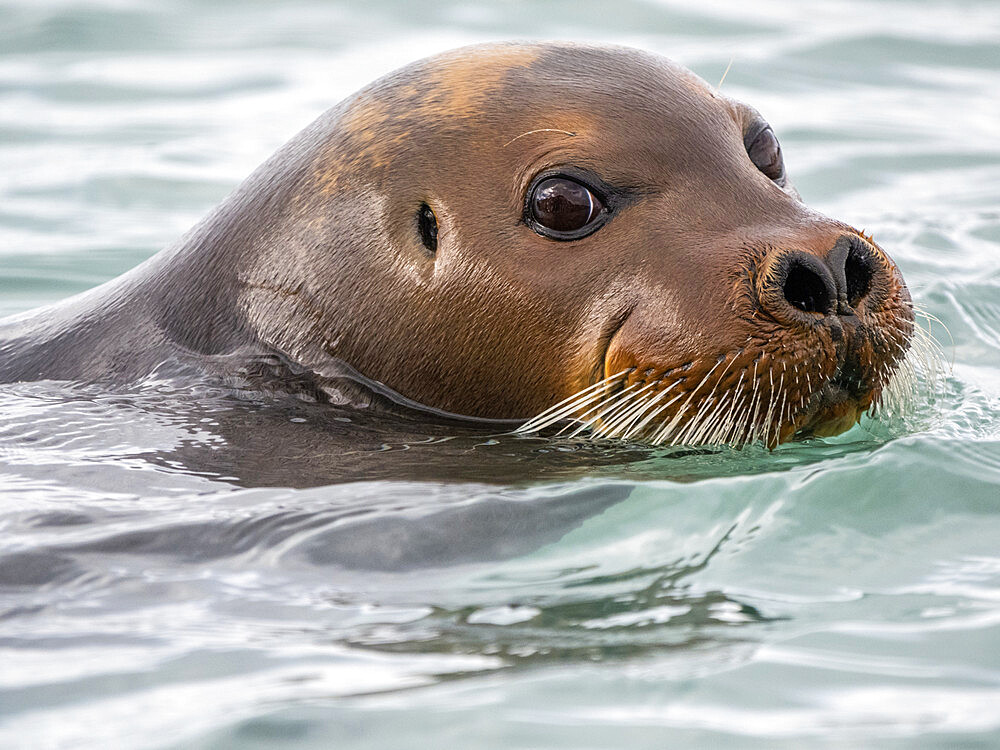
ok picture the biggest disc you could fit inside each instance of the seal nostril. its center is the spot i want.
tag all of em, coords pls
(858, 273)
(806, 289)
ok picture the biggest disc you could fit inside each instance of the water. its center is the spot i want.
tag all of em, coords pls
(181, 570)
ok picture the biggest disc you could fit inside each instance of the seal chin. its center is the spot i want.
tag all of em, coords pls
(833, 409)
(838, 404)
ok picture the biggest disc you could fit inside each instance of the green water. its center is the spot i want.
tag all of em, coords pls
(492, 592)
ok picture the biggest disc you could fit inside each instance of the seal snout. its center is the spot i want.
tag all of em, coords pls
(805, 286)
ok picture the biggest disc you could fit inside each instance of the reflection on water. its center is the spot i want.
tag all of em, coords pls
(265, 441)
(180, 567)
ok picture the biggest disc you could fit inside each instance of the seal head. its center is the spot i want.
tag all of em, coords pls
(505, 228)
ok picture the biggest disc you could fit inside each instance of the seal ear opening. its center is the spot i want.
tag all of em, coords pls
(428, 228)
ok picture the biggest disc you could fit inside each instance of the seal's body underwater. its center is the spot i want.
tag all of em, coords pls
(491, 231)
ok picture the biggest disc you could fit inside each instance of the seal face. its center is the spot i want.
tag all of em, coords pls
(504, 228)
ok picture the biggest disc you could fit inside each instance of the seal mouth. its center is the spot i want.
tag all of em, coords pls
(614, 326)
(736, 401)
(835, 407)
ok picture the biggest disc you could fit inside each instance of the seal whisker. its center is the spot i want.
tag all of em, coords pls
(709, 422)
(623, 428)
(684, 432)
(771, 421)
(594, 417)
(644, 417)
(738, 431)
(747, 410)
(772, 401)
(568, 406)
(781, 411)
(725, 73)
(653, 414)
(602, 408)
(739, 417)
(671, 426)
(627, 428)
(748, 428)
(538, 130)
(727, 427)
(918, 370)
(693, 431)
(625, 417)
(703, 420)
(718, 436)
(920, 312)
(609, 421)
(752, 424)
(551, 416)
(612, 425)
(660, 432)
(736, 434)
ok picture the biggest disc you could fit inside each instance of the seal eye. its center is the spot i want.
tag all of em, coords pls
(564, 209)
(765, 153)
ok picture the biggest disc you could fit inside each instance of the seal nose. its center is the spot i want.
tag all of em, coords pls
(853, 269)
(834, 284)
(808, 284)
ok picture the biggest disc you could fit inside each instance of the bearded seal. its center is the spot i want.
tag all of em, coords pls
(503, 228)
